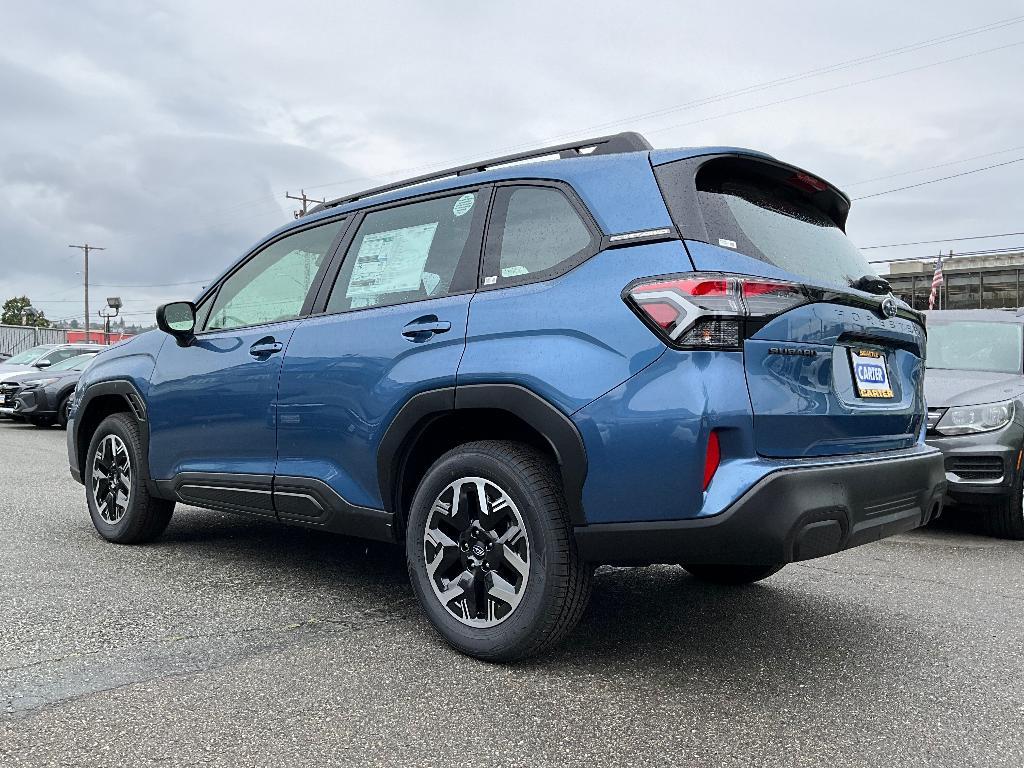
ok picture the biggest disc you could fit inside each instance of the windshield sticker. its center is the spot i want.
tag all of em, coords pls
(391, 262)
(463, 204)
(727, 243)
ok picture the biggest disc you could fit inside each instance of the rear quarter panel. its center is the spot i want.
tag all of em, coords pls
(570, 339)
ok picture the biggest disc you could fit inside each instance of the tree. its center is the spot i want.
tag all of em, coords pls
(13, 313)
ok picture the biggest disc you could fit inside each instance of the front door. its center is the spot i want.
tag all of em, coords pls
(212, 403)
(393, 325)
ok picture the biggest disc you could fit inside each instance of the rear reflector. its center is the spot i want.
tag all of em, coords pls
(712, 458)
(706, 310)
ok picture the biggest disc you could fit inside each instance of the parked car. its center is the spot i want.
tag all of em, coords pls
(43, 397)
(43, 356)
(623, 356)
(974, 386)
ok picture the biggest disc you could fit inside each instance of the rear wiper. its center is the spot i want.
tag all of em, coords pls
(872, 284)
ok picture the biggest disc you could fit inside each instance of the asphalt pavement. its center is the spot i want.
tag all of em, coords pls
(237, 642)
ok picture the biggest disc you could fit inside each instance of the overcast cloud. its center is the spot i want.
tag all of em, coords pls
(168, 132)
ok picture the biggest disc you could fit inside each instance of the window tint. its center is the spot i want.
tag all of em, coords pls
(786, 219)
(409, 253)
(539, 230)
(272, 286)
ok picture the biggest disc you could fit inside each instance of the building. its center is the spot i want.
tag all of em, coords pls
(988, 281)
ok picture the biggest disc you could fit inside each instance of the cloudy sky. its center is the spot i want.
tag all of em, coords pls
(168, 132)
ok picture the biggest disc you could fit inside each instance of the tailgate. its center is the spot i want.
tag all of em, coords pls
(829, 379)
(831, 368)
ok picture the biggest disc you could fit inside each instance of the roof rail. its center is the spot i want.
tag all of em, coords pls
(614, 144)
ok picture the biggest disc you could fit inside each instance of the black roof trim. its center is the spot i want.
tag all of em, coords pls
(614, 144)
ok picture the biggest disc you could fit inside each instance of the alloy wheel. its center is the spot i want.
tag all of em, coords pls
(477, 552)
(111, 479)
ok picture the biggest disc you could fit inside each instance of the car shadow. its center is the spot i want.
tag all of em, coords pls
(778, 635)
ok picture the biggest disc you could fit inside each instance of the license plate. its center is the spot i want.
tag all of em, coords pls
(870, 373)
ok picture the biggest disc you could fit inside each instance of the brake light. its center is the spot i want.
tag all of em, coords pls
(807, 182)
(706, 311)
(712, 458)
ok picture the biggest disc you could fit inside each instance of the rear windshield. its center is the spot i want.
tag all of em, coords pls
(786, 218)
(975, 346)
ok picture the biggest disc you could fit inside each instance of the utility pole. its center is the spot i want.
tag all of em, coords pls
(305, 202)
(85, 280)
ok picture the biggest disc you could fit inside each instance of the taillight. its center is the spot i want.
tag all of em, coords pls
(708, 310)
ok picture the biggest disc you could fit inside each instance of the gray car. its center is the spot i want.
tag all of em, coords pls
(974, 385)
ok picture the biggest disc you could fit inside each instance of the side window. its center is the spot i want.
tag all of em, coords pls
(272, 285)
(60, 355)
(422, 250)
(534, 232)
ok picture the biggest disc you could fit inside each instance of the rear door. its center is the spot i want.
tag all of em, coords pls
(831, 369)
(391, 324)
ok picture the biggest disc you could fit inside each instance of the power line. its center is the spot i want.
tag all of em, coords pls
(949, 37)
(834, 88)
(987, 252)
(839, 66)
(941, 178)
(933, 167)
(931, 242)
(746, 90)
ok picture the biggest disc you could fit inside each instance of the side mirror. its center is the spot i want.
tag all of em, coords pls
(44, 363)
(178, 318)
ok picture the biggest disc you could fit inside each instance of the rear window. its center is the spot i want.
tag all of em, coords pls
(784, 217)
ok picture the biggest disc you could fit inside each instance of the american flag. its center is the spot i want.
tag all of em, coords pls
(936, 282)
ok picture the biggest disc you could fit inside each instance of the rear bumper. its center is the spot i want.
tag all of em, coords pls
(792, 514)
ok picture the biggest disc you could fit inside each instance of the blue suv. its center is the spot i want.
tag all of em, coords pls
(595, 353)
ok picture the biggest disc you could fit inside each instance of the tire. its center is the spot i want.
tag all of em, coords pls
(1005, 520)
(732, 574)
(62, 411)
(139, 517)
(537, 559)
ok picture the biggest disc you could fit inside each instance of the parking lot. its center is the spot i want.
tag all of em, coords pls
(236, 642)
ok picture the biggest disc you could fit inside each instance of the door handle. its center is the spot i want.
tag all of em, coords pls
(266, 347)
(423, 327)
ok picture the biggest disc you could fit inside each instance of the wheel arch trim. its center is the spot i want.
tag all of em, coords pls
(134, 404)
(422, 409)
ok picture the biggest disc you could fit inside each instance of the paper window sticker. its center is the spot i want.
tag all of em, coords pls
(727, 243)
(392, 261)
(515, 271)
(463, 204)
(430, 282)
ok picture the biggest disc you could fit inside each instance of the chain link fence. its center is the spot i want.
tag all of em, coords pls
(18, 338)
